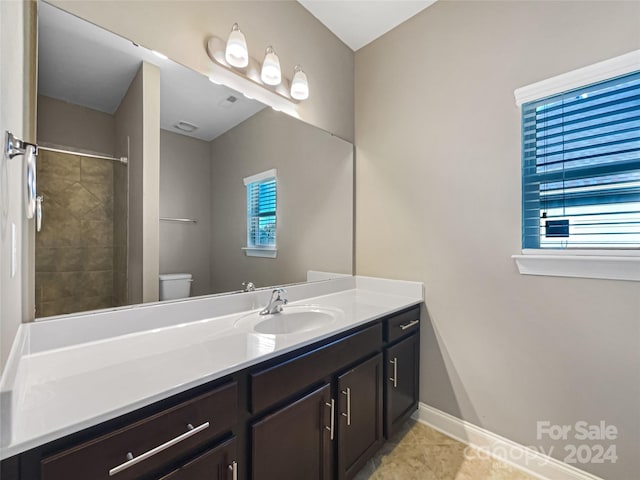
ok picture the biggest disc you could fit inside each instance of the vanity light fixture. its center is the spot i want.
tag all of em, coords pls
(236, 54)
(262, 81)
(299, 84)
(271, 74)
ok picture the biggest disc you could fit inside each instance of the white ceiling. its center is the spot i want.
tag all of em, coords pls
(85, 65)
(359, 22)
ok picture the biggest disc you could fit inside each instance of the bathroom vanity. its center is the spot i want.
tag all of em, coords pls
(314, 402)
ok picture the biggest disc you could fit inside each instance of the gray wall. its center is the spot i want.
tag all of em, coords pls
(67, 125)
(438, 200)
(315, 201)
(138, 117)
(180, 29)
(185, 192)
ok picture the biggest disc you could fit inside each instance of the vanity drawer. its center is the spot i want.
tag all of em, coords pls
(154, 441)
(402, 324)
(285, 379)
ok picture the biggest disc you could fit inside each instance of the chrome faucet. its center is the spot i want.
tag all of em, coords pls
(276, 303)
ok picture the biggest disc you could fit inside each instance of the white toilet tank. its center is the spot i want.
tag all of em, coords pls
(175, 285)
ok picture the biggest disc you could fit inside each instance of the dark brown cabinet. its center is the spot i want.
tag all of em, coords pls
(150, 444)
(360, 416)
(316, 413)
(298, 440)
(218, 463)
(401, 374)
(295, 442)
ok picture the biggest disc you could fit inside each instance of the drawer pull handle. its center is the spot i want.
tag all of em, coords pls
(131, 460)
(234, 470)
(409, 325)
(347, 392)
(332, 406)
(394, 379)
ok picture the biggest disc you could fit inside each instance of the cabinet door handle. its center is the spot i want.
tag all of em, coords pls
(234, 470)
(131, 460)
(409, 325)
(347, 392)
(332, 406)
(394, 379)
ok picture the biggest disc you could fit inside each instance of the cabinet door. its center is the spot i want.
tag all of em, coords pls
(360, 416)
(218, 463)
(296, 441)
(401, 374)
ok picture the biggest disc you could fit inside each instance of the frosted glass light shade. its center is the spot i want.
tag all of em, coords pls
(299, 84)
(236, 54)
(271, 74)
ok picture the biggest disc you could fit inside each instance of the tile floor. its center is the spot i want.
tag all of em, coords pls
(421, 453)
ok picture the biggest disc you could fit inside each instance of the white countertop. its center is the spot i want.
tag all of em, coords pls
(52, 388)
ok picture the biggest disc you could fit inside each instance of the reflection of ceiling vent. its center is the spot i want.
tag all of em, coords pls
(185, 127)
(228, 102)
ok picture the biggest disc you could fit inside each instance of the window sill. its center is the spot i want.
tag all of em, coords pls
(607, 265)
(261, 252)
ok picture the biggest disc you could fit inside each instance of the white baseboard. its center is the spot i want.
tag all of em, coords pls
(524, 458)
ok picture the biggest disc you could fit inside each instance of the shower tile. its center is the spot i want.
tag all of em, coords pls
(56, 285)
(95, 284)
(120, 200)
(119, 259)
(103, 212)
(98, 233)
(70, 259)
(45, 259)
(77, 200)
(60, 230)
(48, 309)
(99, 258)
(119, 230)
(103, 191)
(119, 288)
(75, 255)
(51, 164)
(53, 187)
(94, 303)
(61, 306)
(94, 170)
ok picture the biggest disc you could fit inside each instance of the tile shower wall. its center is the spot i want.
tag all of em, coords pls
(75, 248)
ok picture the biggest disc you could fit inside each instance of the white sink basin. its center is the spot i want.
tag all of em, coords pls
(293, 319)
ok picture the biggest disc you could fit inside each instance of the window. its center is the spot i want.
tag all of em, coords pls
(261, 214)
(581, 167)
(581, 172)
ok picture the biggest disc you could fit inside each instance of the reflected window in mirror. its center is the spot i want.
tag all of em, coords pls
(261, 214)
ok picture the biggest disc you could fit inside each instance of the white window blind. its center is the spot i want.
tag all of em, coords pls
(581, 167)
(261, 210)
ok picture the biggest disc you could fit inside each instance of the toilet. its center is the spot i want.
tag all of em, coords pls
(175, 285)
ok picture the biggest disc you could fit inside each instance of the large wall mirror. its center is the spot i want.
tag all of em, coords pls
(149, 169)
